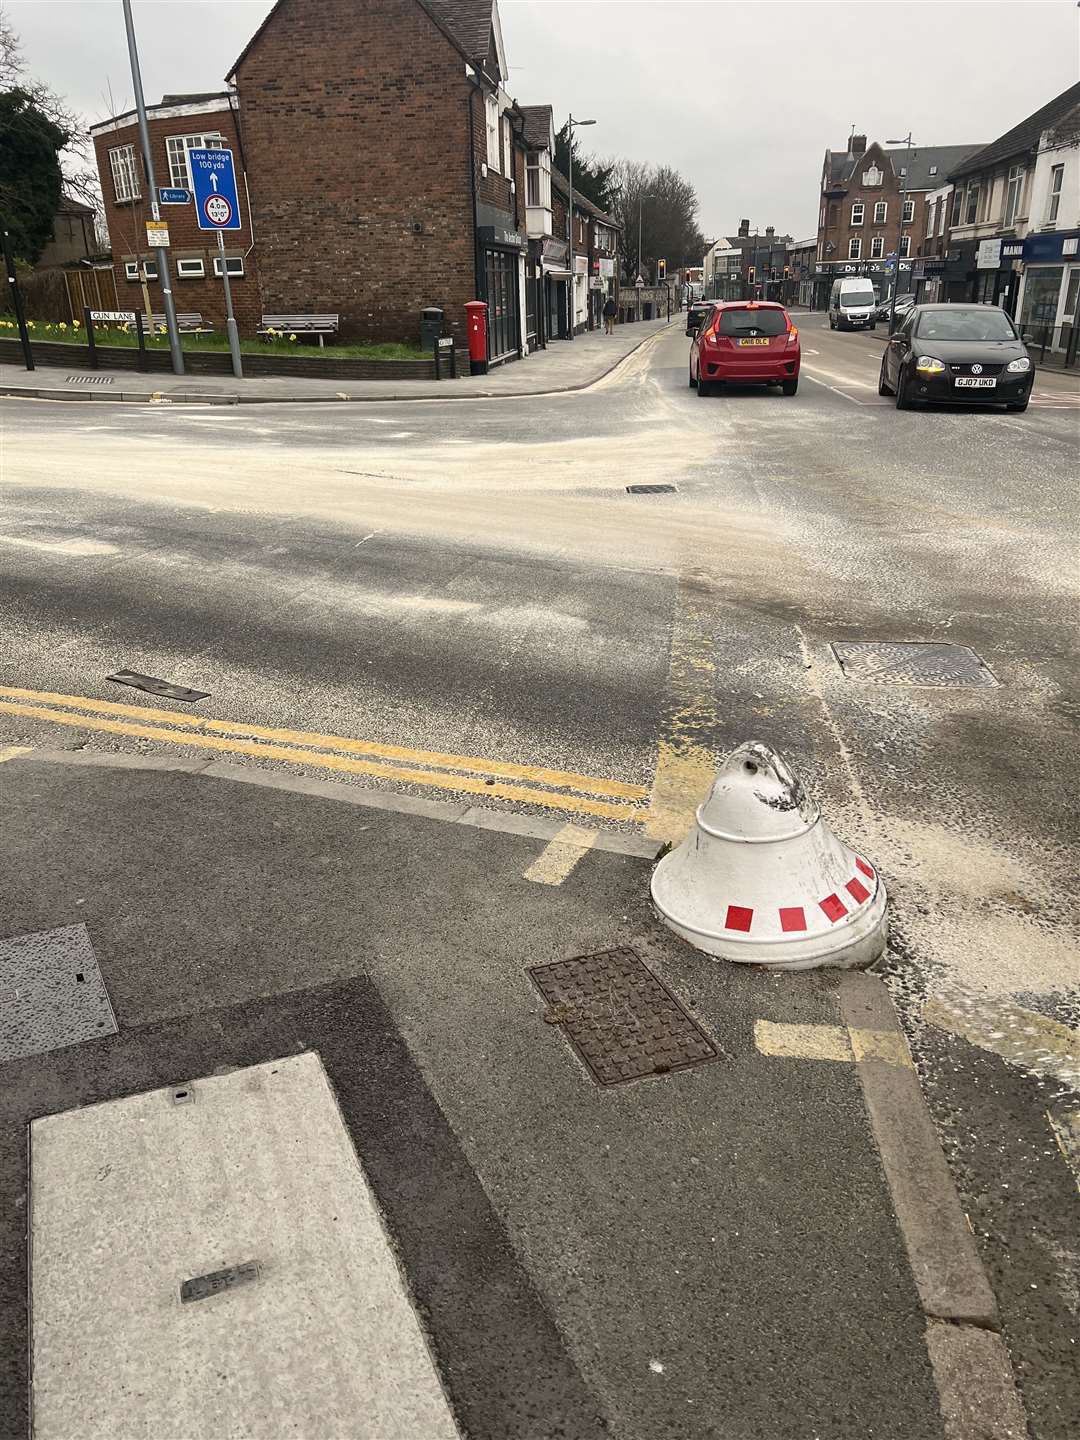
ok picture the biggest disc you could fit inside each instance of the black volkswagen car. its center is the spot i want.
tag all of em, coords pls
(697, 312)
(957, 355)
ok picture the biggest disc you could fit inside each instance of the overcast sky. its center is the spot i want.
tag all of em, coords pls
(742, 97)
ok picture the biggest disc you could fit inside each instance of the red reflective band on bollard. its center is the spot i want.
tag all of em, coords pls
(476, 320)
(739, 917)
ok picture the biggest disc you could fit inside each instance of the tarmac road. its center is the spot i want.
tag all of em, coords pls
(472, 585)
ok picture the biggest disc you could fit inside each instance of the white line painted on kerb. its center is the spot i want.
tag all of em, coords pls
(562, 852)
(132, 1198)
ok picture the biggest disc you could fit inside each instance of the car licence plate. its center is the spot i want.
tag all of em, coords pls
(752, 342)
(973, 382)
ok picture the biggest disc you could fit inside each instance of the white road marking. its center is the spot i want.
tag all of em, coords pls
(323, 1334)
(830, 1042)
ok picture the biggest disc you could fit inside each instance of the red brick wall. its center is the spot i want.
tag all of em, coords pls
(127, 226)
(355, 132)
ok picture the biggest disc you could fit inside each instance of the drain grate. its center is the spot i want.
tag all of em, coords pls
(652, 489)
(623, 1023)
(913, 662)
(51, 993)
(157, 687)
(89, 379)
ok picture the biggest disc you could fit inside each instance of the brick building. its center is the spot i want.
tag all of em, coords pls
(382, 167)
(863, 220)
(179, 123)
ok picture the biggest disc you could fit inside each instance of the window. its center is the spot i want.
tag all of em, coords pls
(854, 249)
(1057, 177)
(131, 269)
(190, 269)
(957, 206)
(234, 264)
(821, 217)
(932, 170)
(931, 213)
(971, 210)
(877, 247)
(125, 177)
(881, 210)
(538, 179)
(858, 210)
(508, 147)
(903, 171)
(492, 133)
(909, 212)
(177, 146)
(752, 322)
(905, 246)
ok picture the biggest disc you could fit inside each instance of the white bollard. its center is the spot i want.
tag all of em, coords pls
(761, 878)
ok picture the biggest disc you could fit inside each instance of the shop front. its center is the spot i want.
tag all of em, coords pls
(997, 273)
(503, 268)
(1050, 298)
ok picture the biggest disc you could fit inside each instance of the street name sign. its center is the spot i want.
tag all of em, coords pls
(119, 317)
(174, 197)
(213, 180)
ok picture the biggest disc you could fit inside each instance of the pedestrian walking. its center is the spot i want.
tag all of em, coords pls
(609, 315)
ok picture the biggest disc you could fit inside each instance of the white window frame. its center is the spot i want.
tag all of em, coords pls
(907, 216)
(973, 193)
(190, 268)
(877, 247)
(507, 147)
(881, 212)
(234, 264)
(125, 173)
(131, 270)
(491, 110)
(931, 213)
(176, 148)
(861, 208)
(932, 170)
(904, 250)
(1053, 195)
(854, 248)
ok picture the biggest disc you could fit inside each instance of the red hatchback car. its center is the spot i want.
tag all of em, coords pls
(747, 342)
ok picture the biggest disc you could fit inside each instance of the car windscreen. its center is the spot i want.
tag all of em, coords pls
(979, 323)
(853, 299)
(752, 322)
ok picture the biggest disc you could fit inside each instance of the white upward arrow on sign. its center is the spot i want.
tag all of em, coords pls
(213, 180)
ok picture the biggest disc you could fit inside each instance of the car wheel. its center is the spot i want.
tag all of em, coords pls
(902, 401)
(1021, 405)
(832, 323)
(693, 381)
(882, 387)
(704, 389)
(873, 324)
(789, 387)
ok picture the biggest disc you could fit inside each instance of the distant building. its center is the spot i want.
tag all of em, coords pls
(748, 265)
(74, 235)
(872, 207)
(1049, 301)
(800, 262)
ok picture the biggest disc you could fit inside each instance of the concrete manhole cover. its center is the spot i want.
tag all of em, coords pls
(51, 993)
(623, 1023)
(913, 662)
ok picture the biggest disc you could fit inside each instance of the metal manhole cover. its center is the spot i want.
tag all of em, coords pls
(51, 993)
(913, 662)
(652, 489)
(623, 1023)
(89, 379)
(157, 687)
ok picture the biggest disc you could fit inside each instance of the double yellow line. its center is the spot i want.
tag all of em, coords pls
(461, 774)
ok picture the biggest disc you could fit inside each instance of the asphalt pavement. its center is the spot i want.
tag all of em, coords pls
(464, 604)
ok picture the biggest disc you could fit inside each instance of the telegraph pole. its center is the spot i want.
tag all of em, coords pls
(155, 210)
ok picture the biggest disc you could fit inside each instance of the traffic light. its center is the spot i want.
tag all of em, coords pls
(787, 272)
(750, 274)
(661, 269)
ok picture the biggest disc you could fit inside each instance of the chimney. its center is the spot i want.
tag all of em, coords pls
(770, 230)
(744, 227)
(857, 145)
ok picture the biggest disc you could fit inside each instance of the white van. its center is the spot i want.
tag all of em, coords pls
(851, 304)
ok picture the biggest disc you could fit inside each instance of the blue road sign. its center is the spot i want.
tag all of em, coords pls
(213, 180)
(174, 197)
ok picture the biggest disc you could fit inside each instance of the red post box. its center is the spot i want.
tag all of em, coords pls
(476, 311)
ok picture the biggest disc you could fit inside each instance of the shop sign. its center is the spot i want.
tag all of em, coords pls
(1049, 247)
(988, 256)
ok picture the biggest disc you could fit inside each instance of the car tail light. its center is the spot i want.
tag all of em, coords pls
(792, 334)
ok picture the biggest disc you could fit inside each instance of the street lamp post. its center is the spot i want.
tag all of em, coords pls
(148, 160)
(571, 125)
(900, 233)
(642, 197)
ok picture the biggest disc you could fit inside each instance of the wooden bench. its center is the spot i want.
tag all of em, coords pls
(319, 325)
(187, 321)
